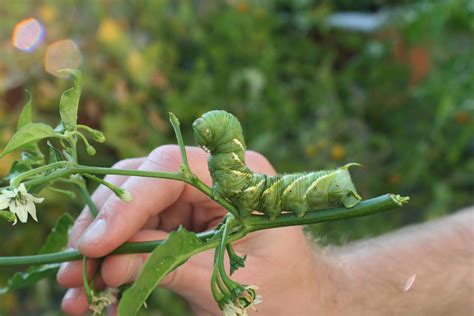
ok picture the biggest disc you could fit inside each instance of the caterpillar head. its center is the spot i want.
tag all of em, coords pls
(336, 187)
(219, 131)
(344, 187)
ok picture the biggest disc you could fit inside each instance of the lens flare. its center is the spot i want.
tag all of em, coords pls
(60, 55)
(28, 35)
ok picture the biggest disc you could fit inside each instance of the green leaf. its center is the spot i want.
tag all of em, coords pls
(175, 250)
(25, 279)
(18, 167)
(56, 241)
(236, 261)
(54, 154)
(58, 237)
(24, 119)
(32, 155)
(69, 103)
(31, 132)
(25, 115)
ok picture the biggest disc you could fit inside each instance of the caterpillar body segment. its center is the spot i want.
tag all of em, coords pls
(220, 133)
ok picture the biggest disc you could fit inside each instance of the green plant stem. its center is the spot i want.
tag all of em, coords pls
(253, 223)
(179, 176)
(368, 207)
(79, 169)
(25, 175)
(113, 188)
(85, 282)
(220, 251)
(87, 198)
(73, 142)
(81, 136)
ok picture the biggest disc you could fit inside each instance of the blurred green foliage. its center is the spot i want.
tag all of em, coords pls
(398, 99)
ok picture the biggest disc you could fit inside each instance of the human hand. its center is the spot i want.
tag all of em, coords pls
(280, 261)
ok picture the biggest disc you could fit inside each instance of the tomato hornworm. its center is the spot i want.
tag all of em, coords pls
(220, 134)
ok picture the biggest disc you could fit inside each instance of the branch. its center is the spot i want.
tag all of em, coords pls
(252, 223)
(364, 208)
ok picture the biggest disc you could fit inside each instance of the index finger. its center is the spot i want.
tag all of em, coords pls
(99, 197)
(118, 221)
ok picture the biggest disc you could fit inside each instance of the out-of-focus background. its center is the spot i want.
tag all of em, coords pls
(388, 84)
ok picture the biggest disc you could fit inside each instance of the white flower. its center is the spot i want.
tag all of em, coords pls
(100, 301)
(20, 203)
(231, 310)
(247, 298)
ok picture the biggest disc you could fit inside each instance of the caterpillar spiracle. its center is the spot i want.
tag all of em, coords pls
(220, 134)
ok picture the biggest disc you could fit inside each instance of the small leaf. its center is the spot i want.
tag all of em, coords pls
(58, 237)
(56, 241)
(32, 155)
(26, 118)
(25, 115)
(236, 261)
(69, 103)
(29, 133)
(175, 250)
(54, 153)
(18, 166)
(25, 279)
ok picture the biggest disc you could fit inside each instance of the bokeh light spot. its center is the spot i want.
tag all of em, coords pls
(60, 55)
(28, 35)
(110, 32)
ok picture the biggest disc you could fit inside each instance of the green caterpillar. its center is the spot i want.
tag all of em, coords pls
(220, 134)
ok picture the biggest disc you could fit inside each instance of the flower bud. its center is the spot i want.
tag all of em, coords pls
(90, 150)
(125, 195)
(98, 136)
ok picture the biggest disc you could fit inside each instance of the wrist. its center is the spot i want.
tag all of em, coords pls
(309, 286)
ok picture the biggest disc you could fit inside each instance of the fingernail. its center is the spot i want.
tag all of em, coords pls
(63, 268)
(72, 293)
(94, 233)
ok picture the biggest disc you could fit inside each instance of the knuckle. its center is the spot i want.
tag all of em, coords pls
(112, 204)
(259, 161)
(122, 164)
(165, 156)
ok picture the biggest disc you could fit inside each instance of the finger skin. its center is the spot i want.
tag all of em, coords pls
(70, 273)
(121, 269)
(75, 302)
